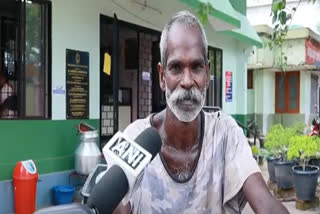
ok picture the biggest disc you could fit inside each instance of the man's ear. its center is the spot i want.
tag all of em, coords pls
(161, 76)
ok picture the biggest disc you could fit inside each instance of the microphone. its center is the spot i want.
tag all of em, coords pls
(126, 162)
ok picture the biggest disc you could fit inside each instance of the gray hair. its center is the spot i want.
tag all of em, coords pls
(188, 19)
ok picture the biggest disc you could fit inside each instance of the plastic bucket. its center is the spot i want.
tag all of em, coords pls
(63, 194)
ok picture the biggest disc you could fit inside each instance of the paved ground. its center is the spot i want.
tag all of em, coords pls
(289, 205)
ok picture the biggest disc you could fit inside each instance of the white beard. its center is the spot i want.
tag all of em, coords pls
(185, 104)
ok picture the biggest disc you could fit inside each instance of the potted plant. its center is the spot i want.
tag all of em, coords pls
(255, 152)
(283, 166)
(278, 142)
(272, 146)
(305, 176)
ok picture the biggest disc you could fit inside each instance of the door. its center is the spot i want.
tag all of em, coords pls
(158, 96)
(214, 92)
(109, 77)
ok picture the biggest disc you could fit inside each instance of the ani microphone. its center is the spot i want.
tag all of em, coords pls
(126, 160)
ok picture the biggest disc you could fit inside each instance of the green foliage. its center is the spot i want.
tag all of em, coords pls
(303, 147)
(204, 10)
(278, 139)
(254, 150)
(264, 153)
(281, 19)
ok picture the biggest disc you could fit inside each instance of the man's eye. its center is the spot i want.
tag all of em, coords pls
(175, 68)
(197, 68)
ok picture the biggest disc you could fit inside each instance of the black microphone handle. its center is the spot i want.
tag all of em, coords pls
(115, 184)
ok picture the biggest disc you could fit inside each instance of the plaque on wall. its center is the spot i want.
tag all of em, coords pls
(77, 84)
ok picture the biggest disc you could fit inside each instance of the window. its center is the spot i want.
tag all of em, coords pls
(24, 59)
(287, 92)
(250, 79)
(214, 93)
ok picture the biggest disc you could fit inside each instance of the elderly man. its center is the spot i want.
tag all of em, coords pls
(205, 164)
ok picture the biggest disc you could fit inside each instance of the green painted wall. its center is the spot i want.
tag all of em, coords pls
(242, 118)
(239, 5)
(50, 143)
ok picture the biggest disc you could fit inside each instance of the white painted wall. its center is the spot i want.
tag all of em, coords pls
(262, 56)
(231, 55)
(305, 94)
(264, 95)
(295, 50)
(75, 25)
(241, 79)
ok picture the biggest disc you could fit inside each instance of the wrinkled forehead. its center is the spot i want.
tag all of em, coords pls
(184, 40)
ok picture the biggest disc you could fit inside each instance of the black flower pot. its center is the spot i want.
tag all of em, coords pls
(315, 162)
(270, 161)
(284, 174)
(305, 182)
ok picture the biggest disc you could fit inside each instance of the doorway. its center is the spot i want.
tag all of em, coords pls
(125, 88)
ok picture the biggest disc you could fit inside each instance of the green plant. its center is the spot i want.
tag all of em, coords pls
(282, 17)
(255, 150)
(264, 153)
(303, 147)
(273, 140)
(278, 139)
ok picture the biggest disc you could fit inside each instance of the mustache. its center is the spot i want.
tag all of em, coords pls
(193, 94)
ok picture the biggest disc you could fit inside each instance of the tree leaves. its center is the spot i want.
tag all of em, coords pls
(278, 5)
(279, 139)
(303, 147)
(281, 19)
(204, 10)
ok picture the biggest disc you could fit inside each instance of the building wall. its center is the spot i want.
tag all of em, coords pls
(264, 96)
(51, 144)
(239, 5)
(264, 101)
(294, 49)
(75, 25)
(262, 56)
(79, 30)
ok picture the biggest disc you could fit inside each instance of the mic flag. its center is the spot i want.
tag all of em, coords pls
(126, 161)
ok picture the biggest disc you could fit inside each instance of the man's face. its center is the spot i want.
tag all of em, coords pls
(186, 75)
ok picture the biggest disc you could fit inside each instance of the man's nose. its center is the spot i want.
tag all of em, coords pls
(187, 79)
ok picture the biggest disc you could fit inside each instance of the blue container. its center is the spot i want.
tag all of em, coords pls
(63, 194)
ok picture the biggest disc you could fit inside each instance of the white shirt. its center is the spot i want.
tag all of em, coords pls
(225, 162)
